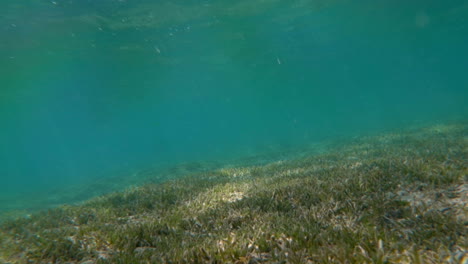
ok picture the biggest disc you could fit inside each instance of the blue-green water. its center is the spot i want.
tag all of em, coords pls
(96, 88)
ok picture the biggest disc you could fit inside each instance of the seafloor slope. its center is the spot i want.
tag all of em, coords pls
(395, 198)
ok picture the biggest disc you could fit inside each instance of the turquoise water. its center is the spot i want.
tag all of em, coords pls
(91, 89)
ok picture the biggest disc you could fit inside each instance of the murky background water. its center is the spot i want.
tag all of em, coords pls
(97, 88)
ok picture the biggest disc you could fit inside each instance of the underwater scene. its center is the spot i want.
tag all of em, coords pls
(221, 131)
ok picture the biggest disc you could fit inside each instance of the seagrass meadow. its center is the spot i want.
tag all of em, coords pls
(233, 131)
(395, 197)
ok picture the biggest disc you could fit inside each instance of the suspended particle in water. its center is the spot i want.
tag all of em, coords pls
(422, 20)
(278, 60)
